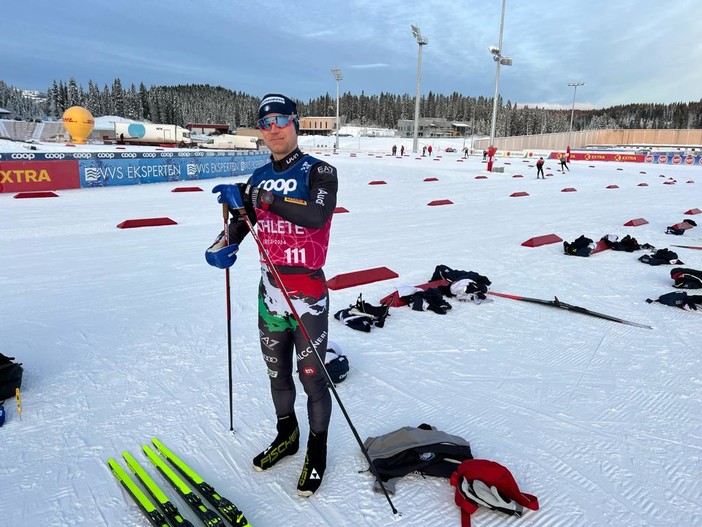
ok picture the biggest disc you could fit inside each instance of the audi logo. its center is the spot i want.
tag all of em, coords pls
(22, 156)
(149, 154)
(82, 156)
(128, 154)
(108, 155)
(54, 156)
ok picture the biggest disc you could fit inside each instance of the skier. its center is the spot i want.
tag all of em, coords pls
(394, 150)
(540, 168)
(402, 150)
(564, 164)
(291, 199)
(429, 149)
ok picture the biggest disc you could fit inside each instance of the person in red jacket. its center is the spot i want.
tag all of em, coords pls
(540, 168)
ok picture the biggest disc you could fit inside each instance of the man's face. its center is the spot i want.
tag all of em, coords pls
(280, 141)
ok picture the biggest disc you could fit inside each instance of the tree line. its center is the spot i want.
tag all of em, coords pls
(202, 103)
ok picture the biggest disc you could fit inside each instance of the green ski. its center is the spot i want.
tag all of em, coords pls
(155, 517)
(170, 511)
(208, 517)
(225, 507)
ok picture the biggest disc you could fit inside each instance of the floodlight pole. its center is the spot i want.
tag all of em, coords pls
(499, 59)
(572, 109)
(337, 75)
(422, 41)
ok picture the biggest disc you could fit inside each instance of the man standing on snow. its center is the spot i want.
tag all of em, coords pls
(291, 200)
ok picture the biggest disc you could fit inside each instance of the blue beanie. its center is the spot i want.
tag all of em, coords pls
(276, 103)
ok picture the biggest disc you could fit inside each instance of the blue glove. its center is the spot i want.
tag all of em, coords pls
(229, 194)
(221, 255)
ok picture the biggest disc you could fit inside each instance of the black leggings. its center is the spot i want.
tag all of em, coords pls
(282, 342)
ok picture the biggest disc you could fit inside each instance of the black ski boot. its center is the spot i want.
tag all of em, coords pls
(286, 443)
(315, 464)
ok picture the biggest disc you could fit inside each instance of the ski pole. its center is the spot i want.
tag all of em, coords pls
(225, 214)
(307, 337)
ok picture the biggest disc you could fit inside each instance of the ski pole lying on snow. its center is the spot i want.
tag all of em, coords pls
(569, 307)
(306, 335)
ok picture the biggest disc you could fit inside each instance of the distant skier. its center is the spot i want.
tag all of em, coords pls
(402, 150)
(424, 151)
(429, 149)
(564, 164)
(394, 150)
(540, 168)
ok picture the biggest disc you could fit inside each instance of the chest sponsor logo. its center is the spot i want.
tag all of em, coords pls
(280, 185)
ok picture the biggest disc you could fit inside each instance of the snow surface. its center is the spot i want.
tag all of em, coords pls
(123, 337)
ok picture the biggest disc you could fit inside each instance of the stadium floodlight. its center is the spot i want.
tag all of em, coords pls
(422, 41)
(337, 75)
(572, 109)
(500, 61)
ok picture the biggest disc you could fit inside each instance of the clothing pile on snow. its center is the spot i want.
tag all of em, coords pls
(10, 376)
(362, 316)
(464, 285)
(679, 299)
(484, 483)
(581, 246)
(431, 299)
(686, 278)
(424, 450)
(627, 243)
(336, 363)
(679, 228)
(661, 257)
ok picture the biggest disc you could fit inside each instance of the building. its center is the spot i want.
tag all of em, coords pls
(208, 128)
(431, 127)
(5, 114)
(319, 125)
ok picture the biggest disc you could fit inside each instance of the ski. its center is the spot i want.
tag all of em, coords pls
(208, 516)
(225, 507)
(147, 507)
(577, 309)
(170, 511)
(688, 247)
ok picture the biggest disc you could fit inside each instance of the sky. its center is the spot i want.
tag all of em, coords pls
(628, 51)
(123, 337)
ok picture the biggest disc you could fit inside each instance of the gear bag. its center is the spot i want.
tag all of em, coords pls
(423, 449)
(10, 377)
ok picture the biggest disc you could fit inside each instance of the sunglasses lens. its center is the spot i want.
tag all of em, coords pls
(281, 121)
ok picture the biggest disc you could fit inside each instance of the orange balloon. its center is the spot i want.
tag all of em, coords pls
(79, 123)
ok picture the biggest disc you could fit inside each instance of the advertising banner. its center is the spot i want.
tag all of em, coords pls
(28, 176)
(601, 156)
(131, 168)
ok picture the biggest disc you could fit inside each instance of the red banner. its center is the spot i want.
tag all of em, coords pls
(600, 156)
(27, 176)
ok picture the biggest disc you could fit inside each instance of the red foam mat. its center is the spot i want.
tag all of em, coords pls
(365, 276)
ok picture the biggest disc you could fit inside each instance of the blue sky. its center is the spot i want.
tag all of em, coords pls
(626, 51)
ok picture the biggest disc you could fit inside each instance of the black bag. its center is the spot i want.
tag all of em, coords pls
(10, 376)
(686, 278)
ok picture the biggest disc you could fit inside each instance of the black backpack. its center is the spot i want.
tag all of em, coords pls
(10, 376)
